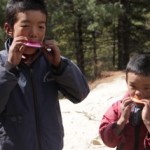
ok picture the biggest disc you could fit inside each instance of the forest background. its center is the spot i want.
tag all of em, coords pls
(98, 35)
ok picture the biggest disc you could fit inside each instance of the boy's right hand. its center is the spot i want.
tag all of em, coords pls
(126, 109)
(16, 50)
(125, 114)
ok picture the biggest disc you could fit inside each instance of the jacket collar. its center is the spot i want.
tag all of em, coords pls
(8, 43)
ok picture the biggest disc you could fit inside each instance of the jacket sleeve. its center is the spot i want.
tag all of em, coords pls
(108, 123)
(8, 80)
(71, 81)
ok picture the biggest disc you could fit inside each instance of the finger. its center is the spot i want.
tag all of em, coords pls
(17, 47)
(146, 103)
(22, 48)
(21, 39)
(126, 100)
(50, 43)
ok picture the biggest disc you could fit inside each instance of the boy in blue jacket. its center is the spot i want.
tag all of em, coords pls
(32, 71)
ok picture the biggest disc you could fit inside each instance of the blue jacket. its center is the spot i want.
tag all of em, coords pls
(30, 117)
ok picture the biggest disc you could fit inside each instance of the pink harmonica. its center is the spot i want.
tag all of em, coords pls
(36, 45)
(33, 44)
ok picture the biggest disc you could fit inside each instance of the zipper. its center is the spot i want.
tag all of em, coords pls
(136, 137)
(36, 111)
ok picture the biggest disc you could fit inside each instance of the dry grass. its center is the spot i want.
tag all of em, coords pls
(107, 76)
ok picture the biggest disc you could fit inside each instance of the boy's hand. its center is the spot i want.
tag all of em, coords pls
(146, 113)
(16, 50)
(125, 114)
(53, 56)
(126, 109)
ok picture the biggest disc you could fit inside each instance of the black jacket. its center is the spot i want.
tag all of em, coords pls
(30, 117)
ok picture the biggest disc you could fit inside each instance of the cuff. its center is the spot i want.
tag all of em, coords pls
(11, 68)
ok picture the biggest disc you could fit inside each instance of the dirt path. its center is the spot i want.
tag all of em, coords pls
(81, 121)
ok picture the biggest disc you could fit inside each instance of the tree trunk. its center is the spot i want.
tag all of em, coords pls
(94, 54)
(123, 36)
(114, 46)
(79, 44)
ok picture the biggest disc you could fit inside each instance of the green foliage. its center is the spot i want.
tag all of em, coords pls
(2, 14)
(90, 27)
(102, 20)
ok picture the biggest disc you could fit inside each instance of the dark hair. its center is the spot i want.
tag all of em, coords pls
(139, 64)
(15, 6)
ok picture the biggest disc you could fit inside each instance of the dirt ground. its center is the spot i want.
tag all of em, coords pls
(106, 77)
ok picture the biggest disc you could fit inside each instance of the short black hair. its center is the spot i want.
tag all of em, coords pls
(15, 6)
(139, 63)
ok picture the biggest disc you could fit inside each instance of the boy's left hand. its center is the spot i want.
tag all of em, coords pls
(146, 113)
(54, 55)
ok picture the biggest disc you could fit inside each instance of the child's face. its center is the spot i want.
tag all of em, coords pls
(32, 25)
(138, 85)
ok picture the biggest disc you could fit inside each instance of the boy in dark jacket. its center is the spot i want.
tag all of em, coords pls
(126, 124)
(32, 71)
